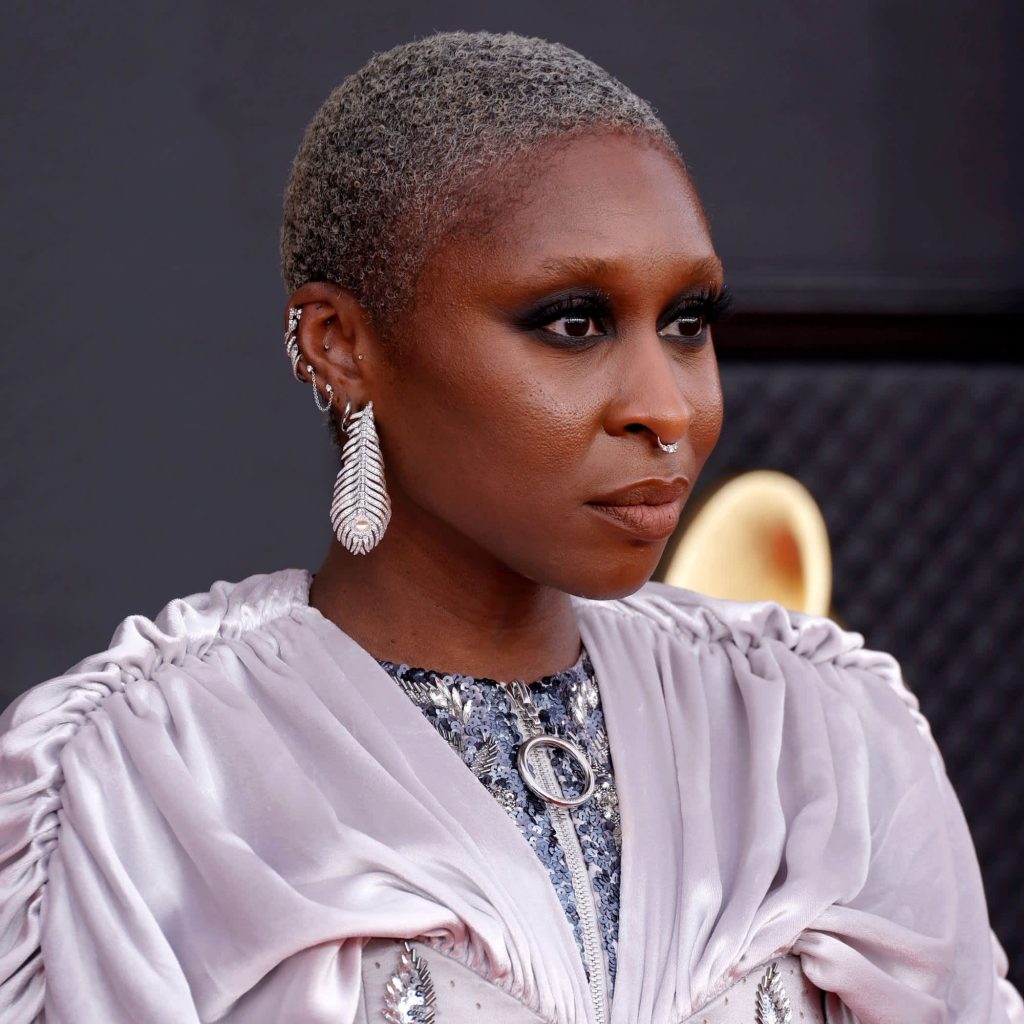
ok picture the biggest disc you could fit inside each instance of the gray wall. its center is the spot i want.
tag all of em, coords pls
(853, 156)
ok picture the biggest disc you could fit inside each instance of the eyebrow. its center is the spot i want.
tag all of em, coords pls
(598, 266)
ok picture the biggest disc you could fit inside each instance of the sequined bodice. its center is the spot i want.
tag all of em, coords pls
(478, 718)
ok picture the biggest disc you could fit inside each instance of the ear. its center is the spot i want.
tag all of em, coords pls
(332, 315)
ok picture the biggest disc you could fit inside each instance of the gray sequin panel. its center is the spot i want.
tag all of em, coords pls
(476, 716)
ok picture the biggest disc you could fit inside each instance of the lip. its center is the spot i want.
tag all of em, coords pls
(646, 492)
(649, 509)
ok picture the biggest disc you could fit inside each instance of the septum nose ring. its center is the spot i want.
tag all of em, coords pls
(673, 447)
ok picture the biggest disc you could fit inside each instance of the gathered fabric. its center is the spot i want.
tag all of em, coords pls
(212, 817)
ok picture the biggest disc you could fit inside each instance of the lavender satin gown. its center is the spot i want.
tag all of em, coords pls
(234, 814)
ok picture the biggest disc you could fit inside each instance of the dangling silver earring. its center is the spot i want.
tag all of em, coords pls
(316, 394)
(361, 508)
(291, 343)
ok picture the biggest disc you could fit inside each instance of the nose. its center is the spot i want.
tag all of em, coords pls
(652, 394)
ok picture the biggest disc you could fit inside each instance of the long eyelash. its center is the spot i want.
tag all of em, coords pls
(710, 303)
(596, 303)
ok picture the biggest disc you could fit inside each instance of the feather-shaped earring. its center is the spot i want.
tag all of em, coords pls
(361, 509)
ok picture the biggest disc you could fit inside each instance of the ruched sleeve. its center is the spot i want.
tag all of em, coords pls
(36, 728)
(910, 939)
(67, 786)
(816, 815)
(914, 941)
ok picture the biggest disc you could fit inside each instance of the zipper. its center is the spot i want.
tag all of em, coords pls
(565, 830)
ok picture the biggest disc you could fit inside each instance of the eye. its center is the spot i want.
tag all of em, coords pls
(689, 325)
(575, 325)
(571, 321)
(576, 321)
(692, 319)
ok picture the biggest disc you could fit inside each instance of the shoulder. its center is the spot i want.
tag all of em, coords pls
(185, 628)
(40, 727)
(85, 731)
(703, 620)
(768, 640)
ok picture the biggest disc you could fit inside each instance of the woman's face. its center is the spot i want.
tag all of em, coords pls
(541, 359)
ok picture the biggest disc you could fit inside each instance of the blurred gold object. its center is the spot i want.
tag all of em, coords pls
(756, 536)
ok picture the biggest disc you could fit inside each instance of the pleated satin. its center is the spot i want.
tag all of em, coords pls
(205, 821)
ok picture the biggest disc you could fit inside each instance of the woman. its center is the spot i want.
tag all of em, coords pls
(335, 797)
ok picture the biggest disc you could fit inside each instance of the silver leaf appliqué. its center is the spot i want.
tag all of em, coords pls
(484, 760)
(409, 996)
(446, 695)
(772, 1003)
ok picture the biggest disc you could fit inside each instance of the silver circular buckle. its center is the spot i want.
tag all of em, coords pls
(570, 748)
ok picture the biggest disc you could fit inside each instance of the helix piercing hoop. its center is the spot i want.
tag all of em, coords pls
(673, 447)
(316, 394)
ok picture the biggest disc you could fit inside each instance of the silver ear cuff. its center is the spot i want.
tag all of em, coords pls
(291, 344)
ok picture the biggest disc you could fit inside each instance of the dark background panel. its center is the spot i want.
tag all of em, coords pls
(855, 157)
(918, 468)
(860, 165)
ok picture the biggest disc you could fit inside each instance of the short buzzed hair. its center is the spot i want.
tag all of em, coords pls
(392, 161)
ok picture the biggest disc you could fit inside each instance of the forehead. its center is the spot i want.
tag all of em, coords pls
(602, 205)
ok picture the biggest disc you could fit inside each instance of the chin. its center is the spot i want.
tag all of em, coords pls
(617, 577)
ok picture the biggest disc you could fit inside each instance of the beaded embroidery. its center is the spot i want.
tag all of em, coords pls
(479, 720)
(409, 996)
(772, 1002)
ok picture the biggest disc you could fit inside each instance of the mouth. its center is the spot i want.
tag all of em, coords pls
(649, 509)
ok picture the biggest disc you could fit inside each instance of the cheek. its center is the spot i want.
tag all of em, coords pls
(534, 440)
(480, 430)
(708, 412)
(531, 487)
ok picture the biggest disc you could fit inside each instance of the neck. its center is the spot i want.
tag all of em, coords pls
(451, 608)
